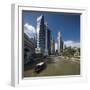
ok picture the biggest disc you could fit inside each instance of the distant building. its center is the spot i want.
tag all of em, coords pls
(52, 45)
(59, 44)
(49, 41)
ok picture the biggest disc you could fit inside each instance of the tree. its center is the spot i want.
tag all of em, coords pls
(69, 52)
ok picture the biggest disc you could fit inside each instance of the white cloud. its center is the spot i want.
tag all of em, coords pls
(29, 30)
(71, 43)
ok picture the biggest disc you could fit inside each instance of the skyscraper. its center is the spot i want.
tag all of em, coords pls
(59, 44)
(40, 35)
(49, 41)
(45, 42)
(52, 45)
(46, 39)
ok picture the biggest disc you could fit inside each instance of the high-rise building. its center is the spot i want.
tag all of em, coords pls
(52, 45)
(45, 42)
(49, 41)
(46, 39)
(59, 44)
(40, 35)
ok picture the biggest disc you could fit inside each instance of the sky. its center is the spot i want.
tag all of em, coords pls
(67, 24)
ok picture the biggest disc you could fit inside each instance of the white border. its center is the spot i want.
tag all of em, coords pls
(16, 68)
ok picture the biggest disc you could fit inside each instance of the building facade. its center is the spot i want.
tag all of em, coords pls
(52, 45)
(59, 44)
(43, 37)
(49, 41)
(29, 48)
(40, 35)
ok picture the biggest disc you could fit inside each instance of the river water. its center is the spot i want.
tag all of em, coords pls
(57, 66)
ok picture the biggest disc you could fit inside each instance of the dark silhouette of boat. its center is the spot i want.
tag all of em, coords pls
(40, 67)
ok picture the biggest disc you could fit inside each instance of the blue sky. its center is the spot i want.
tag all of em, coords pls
(67, 24)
